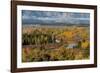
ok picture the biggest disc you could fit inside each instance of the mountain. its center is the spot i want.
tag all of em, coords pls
(54, 18)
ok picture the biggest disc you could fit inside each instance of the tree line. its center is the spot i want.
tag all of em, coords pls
(37, 37)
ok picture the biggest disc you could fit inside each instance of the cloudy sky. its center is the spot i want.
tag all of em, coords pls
(53, 17)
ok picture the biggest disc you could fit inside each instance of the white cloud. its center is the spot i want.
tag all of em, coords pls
(25, 17)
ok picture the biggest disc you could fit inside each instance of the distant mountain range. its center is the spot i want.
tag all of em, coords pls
(55, 18)
(69, 23)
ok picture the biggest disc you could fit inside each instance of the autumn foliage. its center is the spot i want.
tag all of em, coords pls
(55, 44)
